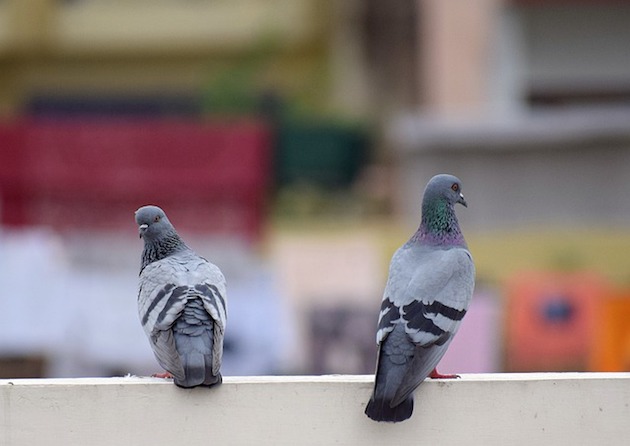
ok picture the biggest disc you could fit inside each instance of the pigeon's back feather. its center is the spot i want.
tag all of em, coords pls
(428, 291)
(181, 303)
(417, 324)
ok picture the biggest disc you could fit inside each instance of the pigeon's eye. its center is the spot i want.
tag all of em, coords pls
(156, 219)
(455, 187)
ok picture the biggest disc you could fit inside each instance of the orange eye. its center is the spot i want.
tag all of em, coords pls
(156, 219)
(455, 187)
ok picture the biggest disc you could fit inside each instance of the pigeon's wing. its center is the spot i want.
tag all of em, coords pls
(430, 304)
(438, 295)
(213, 293)
(430, 298)
(161, 293)
(165, 351)
(165, 287)
(397, 279)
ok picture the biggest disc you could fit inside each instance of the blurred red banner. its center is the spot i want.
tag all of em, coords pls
(93, 174)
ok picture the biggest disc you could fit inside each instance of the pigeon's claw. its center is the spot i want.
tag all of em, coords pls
(437, 375)
(162, 375)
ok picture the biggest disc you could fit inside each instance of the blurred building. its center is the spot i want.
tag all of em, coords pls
(525, 100)
(528, 101)
(462, 58)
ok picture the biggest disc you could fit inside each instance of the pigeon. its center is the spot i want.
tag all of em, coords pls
(181, 303)
(430, 285)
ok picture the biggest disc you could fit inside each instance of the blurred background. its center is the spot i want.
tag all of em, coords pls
(289, 141)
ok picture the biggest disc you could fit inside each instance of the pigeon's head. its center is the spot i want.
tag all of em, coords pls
(445, 187)
(152, 222)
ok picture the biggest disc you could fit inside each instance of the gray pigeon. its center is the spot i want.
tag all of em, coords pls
(181, 303)
(430, 284)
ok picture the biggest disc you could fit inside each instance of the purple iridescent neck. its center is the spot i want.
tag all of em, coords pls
(439, 226)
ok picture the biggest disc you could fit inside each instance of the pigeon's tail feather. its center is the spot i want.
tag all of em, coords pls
(209, 378)
(194, 338)
(379, 410)
(197, 365)
(194, 370)
(390, 373)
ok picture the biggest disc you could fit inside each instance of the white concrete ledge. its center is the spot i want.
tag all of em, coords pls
(498, 409)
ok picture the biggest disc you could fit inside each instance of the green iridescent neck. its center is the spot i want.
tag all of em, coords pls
(439, 225)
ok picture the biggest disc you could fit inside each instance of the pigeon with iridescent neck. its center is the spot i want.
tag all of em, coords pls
(181, 303)
(430, 285)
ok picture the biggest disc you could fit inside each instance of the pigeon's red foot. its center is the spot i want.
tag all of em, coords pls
(437, 375)
(162, 375)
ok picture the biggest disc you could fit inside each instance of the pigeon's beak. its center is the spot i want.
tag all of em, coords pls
(462, 201)
(142, 228)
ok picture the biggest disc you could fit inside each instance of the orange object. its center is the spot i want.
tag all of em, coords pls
(552, 320)
(611, 352)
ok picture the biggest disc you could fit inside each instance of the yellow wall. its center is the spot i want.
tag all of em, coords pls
(498, 254)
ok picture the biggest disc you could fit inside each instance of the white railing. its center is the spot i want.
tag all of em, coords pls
(504, 409)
